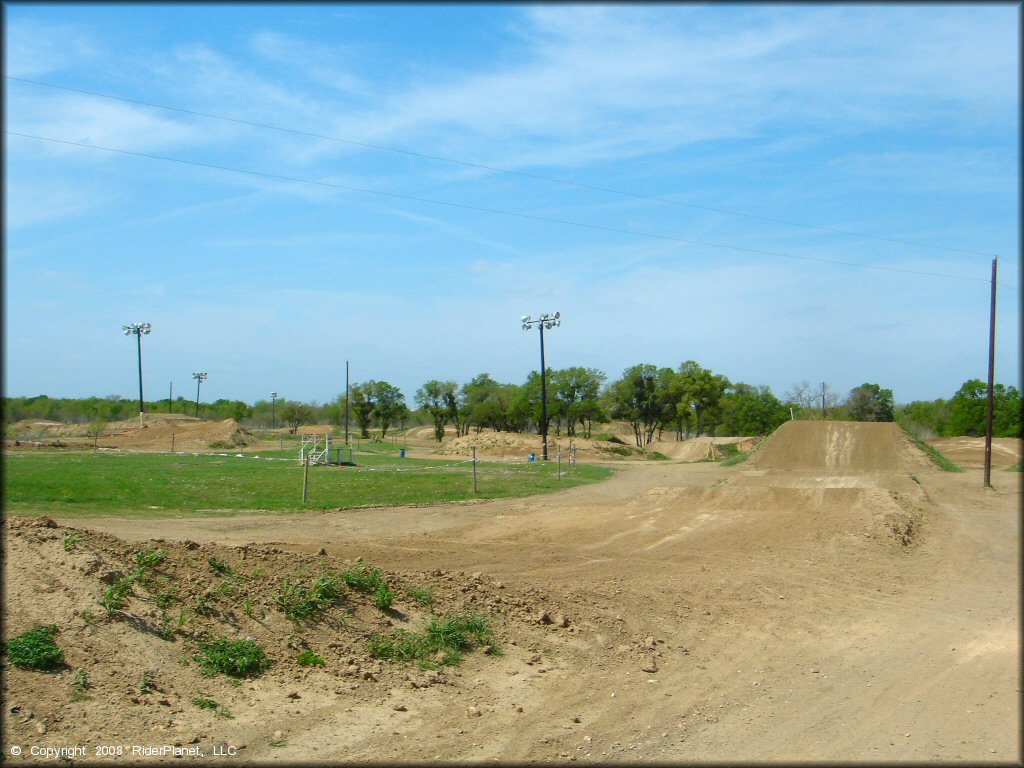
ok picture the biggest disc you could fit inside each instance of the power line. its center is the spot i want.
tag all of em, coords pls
(481, 166)
(496, 211)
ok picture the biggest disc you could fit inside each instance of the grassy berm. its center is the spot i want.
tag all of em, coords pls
(179, 643)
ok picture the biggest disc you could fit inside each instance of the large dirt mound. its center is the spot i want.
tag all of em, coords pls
(136, 670)
(839, 445)
(514, 444)
(181, 435)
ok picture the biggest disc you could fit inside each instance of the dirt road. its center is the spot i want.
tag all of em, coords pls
(845, 602)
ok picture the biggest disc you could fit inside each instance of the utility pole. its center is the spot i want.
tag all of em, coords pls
(991, 377)
(346, 403)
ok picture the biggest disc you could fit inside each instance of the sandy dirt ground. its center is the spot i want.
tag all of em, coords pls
(833, 598)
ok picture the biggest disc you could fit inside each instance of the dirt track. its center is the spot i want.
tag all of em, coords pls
(834, 598)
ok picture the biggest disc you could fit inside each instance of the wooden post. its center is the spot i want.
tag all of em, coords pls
(474, 469)
(991, 377)
(172, 442)
(559, 475)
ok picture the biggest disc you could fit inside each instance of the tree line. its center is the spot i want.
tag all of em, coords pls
(685, 401)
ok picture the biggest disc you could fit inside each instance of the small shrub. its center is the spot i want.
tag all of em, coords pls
(35, 649)
(422, 595)
(383, 597)
(70, 540)
(737, 458)
(81, 686)
(309, 659)
(235, 658)
(163, 599)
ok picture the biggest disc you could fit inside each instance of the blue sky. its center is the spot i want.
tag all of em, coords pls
(690, 134)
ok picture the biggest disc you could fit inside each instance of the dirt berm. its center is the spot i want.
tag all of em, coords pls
(839, 445)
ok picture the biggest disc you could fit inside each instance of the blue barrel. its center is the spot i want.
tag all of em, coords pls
(401, 453)
(532, 457)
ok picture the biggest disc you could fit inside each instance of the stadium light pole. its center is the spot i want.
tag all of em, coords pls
(544, 321)
(273, 409)
(139, 329)
(200, 377)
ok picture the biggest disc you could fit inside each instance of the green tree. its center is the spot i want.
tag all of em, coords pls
(638, 398)
(294, 413)
(968, 410)
(388, 404)
(435, 398)
(700, 392)
(577, 391)
(748, 410)
(361, 402)
(869, 402)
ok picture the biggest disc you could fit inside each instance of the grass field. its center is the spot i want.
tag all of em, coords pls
(188, 485)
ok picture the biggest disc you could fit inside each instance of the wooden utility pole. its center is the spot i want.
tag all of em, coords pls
(991, 377)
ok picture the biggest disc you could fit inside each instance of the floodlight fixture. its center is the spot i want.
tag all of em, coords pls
(200, 377)
(139, 330)
(544, 321)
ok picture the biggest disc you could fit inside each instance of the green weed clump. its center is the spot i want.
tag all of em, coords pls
(303, 603)
(114, 597)
(218, 709)
(441, 643)
(220, 566)
(149, 558)
(70, 540)
(235, 658)
(309, 659)
(363, 578)
(422, 595)
(35, 649)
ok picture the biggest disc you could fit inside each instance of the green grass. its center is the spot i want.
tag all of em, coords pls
(736, 458)
(35, 649)
(235, 658)
(937, 458)
(146, 485)
(441, 643)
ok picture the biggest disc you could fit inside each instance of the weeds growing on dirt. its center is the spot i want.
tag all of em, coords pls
(422, 595)
(218, 709)
(147, 683)
(309, 659)
(363, 578)
(149, 558)
(220, 566)
(383, 597)
(35, 649)
(114, 597)
(70, 540)
(235, 658)
(80, 687)
(441, 643)
(301, 603)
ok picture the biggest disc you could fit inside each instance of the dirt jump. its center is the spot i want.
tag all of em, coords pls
(835, 597)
